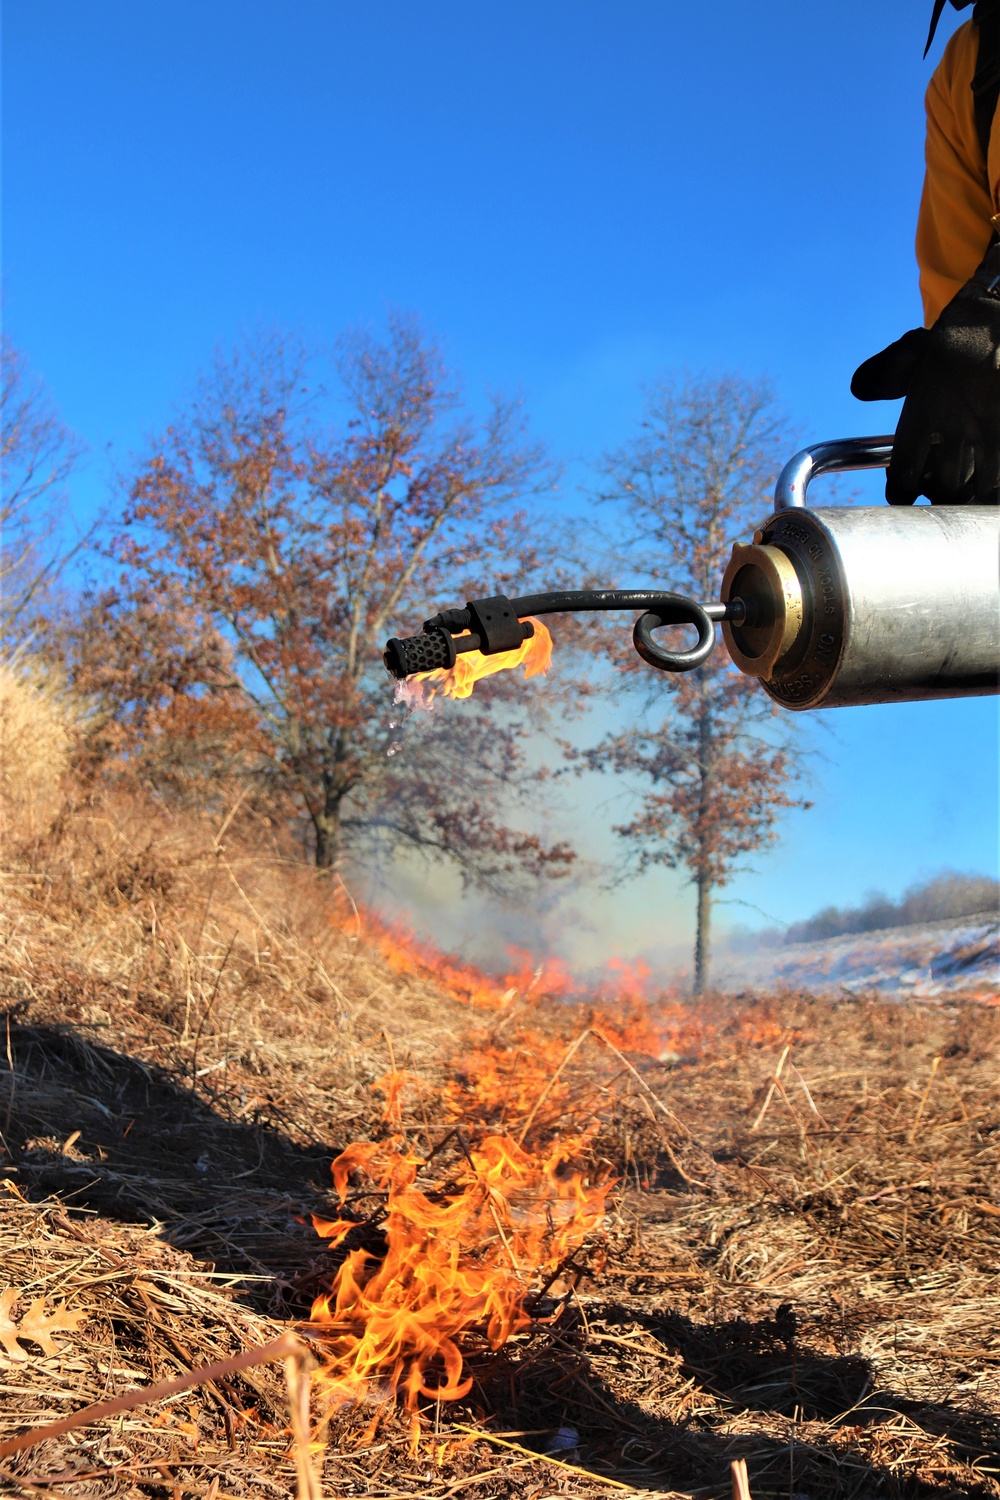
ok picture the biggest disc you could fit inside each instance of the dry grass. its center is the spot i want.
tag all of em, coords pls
(194, 1029)
(35, 747)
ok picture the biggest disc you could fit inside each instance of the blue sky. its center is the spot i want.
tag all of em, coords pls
(573, 196)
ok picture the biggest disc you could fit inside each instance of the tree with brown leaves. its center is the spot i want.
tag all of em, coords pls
(717, 767)
(265, 556)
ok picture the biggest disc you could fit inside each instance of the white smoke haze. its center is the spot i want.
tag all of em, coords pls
(938, 951)
(600, 914)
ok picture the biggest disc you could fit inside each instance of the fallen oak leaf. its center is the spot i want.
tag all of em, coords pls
(8, 1328)
(39, 1326)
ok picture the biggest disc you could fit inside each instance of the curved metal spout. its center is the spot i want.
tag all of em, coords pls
(498, 624)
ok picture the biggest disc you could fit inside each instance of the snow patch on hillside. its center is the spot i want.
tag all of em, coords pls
(936, 960)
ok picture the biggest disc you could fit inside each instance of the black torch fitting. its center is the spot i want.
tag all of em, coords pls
(495, 624)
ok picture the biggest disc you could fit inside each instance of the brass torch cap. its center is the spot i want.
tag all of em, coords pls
(766, 581)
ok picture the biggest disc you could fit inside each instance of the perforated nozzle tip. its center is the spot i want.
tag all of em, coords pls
(418, 653)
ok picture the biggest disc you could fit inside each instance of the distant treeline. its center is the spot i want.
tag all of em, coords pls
(949, 894)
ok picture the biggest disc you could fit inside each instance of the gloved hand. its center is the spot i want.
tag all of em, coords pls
(947, 443)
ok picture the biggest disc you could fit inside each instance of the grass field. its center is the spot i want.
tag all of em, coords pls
(768, 1228)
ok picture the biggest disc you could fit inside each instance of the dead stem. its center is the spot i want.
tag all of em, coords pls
(286, 1346)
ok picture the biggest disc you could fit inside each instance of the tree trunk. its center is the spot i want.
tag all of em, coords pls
(703, 881)
(702, 934)
(327, 826)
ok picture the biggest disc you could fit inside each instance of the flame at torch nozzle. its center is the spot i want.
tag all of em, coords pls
(496, 627)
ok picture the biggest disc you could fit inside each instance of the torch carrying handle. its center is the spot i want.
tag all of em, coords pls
(835, 457)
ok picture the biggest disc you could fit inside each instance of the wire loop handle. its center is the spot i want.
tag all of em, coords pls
(676, 611)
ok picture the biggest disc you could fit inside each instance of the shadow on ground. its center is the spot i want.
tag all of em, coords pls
(108, 1133)
(849, 1438)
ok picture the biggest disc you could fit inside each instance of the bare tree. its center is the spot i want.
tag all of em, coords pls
(37, 456)
(717, 766)
(265, 558)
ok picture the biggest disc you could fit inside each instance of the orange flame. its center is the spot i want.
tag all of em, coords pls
(412, 958)
(633, 1010)
(534, 654)
(455, 1260)
(504, 1085)
(465, 1251)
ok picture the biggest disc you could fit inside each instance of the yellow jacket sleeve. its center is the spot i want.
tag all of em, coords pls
(961, 194)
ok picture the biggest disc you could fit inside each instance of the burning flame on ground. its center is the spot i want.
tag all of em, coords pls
(463, 1252)
(420, 690)
(407, 956)
(634, 1011)
(458, 1257)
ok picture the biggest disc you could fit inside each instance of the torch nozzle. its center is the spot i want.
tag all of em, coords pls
(436, 648)
(497, 624)
(492, 626)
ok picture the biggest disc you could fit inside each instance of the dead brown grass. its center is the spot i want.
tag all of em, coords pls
(194, 1027)
(36, 740)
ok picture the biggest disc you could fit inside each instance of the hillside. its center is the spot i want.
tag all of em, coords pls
(577, 1247)
(955, 957)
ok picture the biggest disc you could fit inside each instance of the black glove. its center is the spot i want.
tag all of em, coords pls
(947, 443)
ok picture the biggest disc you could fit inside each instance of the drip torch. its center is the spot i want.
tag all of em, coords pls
(826, 607)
